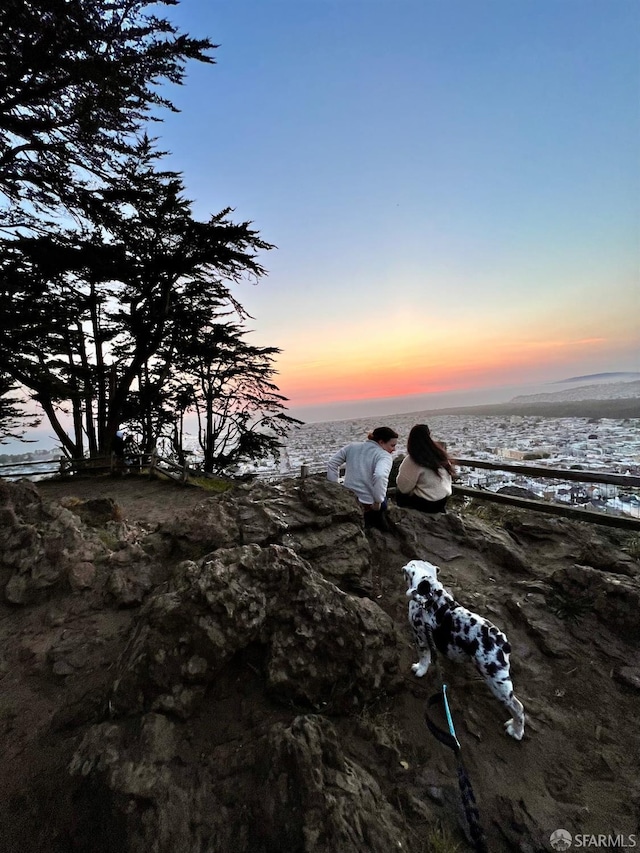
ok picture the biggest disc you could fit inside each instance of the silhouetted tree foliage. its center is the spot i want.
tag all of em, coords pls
(106, 278)
(96, 311)
(13, 419)
(228, 384)
(77, 80)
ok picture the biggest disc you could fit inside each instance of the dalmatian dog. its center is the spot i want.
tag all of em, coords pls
(460, 635)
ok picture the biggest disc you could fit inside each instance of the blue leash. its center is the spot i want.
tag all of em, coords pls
(450, 739)
(452, 730)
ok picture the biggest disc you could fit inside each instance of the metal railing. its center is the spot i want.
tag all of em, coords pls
(578, 513)
(180, 473)
(152, 462)
(539, 471)
(33, 468)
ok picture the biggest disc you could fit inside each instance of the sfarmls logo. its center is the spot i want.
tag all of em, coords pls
(563, 840)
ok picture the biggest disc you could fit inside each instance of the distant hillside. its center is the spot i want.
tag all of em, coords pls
(618, 408)
(621, 375)
(603, 391)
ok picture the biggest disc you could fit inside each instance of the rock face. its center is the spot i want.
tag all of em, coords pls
(42, 547)
(308, 795)
(319, 522)
(323, 648)
(236, 677)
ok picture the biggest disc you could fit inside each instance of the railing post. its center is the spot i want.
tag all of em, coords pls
(152, 462)
(304, 471)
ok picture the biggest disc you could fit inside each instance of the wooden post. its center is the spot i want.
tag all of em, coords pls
(152, 462)
(304, 471)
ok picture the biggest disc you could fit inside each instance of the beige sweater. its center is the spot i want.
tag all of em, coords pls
(413, 479)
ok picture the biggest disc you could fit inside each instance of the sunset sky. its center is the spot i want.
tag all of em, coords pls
(453, 187)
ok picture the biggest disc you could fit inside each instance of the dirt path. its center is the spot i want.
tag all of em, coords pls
(141, 499)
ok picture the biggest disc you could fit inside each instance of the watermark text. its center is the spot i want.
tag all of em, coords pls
(561, 839)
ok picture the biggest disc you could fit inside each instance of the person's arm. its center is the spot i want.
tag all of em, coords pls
(381, 479)
(334, 464)
(408, 474)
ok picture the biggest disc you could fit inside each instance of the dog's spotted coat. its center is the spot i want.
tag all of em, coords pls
(460, 635)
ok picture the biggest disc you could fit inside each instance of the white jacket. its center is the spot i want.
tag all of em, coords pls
(368, 469)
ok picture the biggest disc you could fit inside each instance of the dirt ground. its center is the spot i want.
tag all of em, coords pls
(579, 679)
(146, 501)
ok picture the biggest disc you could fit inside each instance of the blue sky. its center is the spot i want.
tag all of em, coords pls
(453, 187)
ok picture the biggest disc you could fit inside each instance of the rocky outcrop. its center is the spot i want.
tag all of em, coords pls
(42, 547)
(318, 520)
(322, 648)
(239, 678)
(614, 599)
(312, 796)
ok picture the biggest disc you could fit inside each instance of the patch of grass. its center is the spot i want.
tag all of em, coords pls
(632, 546)
(481, 510)
(214, 485)
(109, 539)
(383, 724)
(8, 711)
(570, 607)
(70, 502)
(438, 839)
(492, 513)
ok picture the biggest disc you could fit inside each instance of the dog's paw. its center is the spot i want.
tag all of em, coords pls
(514, 730)
(419, 669)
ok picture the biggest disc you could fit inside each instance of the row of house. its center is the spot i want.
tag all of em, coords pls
(600, 445)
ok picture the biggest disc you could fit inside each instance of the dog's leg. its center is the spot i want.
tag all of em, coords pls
(420, 668)
(416, 620)
(502, 689)
(515, 726)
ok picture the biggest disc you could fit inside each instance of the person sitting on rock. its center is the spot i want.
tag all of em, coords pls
(424, 475)
(368, 465)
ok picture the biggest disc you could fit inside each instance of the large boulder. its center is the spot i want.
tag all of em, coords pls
(319, 520)
(212, 693)
(42, 545)
(322, 647)
(334, 802)
(312, 797)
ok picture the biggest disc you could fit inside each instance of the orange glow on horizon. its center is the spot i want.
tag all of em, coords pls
(407, 370)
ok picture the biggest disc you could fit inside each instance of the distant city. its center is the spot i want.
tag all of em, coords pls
(610, 445)
(606, 440)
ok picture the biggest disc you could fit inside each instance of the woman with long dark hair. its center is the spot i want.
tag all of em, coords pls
(368, 465)
(425, 473)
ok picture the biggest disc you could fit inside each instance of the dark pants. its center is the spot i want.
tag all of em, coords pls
(414, 502)
(376, 517)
